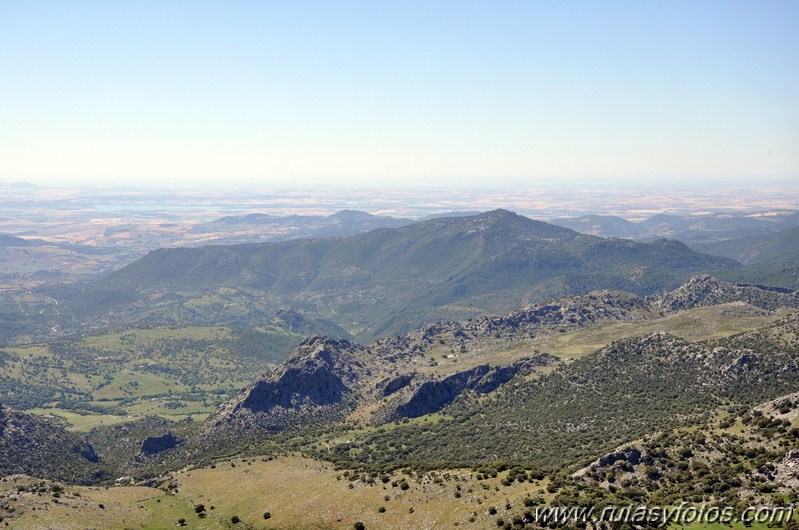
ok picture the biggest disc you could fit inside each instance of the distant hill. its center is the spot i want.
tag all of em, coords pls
(7, 240)
(690, 229)
(705, 227)
(771, 258)
(779, 247)
(13, 241)
(459, 213)
(601, 225)
(343, 223)
(403, 277)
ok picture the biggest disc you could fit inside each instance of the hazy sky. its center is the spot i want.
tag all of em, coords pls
(397, 92)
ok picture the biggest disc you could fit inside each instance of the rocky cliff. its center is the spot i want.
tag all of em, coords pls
(319, 380)
(414, 395)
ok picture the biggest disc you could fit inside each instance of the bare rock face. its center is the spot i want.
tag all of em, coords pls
(395, 384)
(787, 470)
(424, 395)
(318, 380)
(312, 382)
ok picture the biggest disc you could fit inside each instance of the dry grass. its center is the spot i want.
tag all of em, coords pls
(305, 493)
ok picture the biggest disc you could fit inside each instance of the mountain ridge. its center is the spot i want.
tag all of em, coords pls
(327, 378)
(389, 281)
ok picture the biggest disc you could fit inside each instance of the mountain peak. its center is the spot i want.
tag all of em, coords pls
(508, 224)
(499, 213)
(315, 382)
(351, 215)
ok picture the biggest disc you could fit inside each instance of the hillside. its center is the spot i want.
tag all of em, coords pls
(261, 227)
(176, 373)
(389, 281)
(770, 258)
(38, 446)
(776, 248)
(630, 388)
(602, 225)
(327, 382)
(456, 414)
(7, 240)
(700, 231)
(185, 372)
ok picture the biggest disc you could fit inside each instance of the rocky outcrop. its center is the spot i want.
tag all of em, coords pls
(291, 320)
(318, 380)
(631, 455)
(313, 382)
(563, 314)
(425, 395)
(786, 471)
(574, 312)
(704, 290)
(390, 386)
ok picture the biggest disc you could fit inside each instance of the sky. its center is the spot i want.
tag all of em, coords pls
(409, 92)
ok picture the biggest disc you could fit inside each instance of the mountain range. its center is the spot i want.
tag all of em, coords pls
(388, 281)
